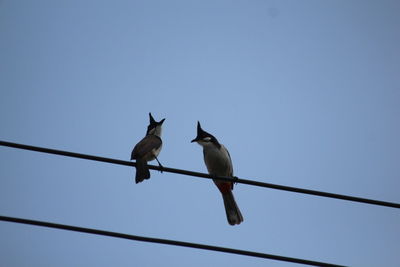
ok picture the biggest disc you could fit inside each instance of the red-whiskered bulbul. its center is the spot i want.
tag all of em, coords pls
(219, 163)
(148, 149)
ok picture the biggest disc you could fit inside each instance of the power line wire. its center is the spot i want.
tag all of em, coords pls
(165, 241)
(204, 175)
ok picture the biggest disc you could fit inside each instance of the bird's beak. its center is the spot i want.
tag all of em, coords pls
(161, 122)
(194, 140)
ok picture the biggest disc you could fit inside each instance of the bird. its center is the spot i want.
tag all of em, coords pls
(219, 163)
(148, 149)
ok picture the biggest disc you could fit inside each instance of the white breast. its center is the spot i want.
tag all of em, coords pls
(217, 160)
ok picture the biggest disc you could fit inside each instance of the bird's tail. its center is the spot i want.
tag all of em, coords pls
(142, 170)
(233, 213)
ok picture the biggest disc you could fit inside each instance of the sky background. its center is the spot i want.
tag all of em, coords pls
(302, 93)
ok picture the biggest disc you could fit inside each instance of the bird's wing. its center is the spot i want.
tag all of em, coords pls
(230, 163)
(230, 166)
(146, 145)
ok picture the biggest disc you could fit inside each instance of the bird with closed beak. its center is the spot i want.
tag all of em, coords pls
(219, 163)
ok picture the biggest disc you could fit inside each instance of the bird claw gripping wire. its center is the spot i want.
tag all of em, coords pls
(159, 165)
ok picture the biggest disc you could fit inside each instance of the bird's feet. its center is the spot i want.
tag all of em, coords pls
(161, 168)
(159, 165)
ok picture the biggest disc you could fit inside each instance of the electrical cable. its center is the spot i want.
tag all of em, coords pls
(204, 175)
(165, 241)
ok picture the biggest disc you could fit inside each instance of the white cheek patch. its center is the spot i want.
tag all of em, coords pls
(207, 139)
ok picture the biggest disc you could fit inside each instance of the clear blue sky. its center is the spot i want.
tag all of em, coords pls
(302, 93)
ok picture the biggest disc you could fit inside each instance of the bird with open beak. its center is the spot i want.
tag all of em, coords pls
(148, 149)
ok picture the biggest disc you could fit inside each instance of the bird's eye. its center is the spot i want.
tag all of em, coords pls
(207, 139)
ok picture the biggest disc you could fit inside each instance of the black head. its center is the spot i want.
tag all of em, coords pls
(153, 124)
(204, 138)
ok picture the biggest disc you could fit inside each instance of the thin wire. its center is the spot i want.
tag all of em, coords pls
(207, 176)
(164, 241)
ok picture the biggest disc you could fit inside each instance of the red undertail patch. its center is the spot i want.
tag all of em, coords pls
(224, 187)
